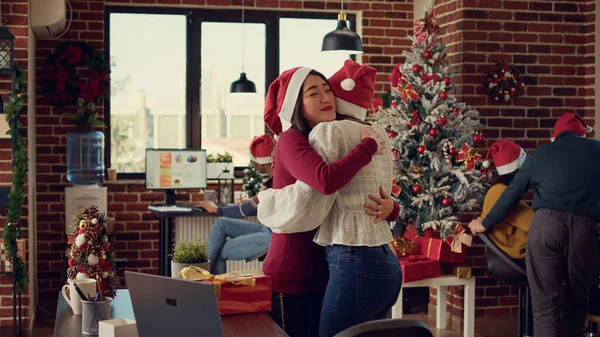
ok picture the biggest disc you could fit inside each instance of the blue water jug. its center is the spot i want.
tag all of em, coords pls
(85, 157)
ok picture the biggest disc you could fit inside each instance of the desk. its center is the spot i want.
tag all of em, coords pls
(441, 283)
(249, 325)
(165, 237)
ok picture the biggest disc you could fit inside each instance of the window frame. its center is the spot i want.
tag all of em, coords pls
(195, 17)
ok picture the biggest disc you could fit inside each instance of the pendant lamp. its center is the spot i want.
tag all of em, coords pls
(342, 39)
(243, 84)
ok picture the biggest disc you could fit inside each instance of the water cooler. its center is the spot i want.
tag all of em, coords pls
(85, 167)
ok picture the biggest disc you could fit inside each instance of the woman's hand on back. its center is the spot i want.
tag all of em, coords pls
(383, 207)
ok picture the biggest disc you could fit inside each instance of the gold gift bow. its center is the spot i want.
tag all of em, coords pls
(459, 239)
(238, 277)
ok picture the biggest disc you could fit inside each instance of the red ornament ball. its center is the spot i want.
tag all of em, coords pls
(392, 134)
(395, 155)
(416, 68)
(447, 80)
(446, 202)
(455, 111)
(421, 149)
(417, 189)
(427, 54)
(442, 120)
(433, 132)
(443, 95)
(453, 151)
(476, 138)
(481, 138)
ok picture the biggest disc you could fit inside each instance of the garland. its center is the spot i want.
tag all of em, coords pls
(17, 191)
(504, 82)
(60, 82)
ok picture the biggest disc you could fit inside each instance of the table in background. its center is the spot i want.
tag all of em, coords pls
(67, 324)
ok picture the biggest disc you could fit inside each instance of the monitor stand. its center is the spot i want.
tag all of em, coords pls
(170, 198)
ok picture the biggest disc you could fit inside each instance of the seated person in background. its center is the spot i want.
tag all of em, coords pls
(510, 234)
(247, 240)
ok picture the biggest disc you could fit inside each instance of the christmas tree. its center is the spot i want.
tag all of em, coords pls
(252, 181)
(90, 254)
(437, 171)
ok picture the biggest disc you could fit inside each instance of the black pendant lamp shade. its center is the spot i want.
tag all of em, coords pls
(242, 85)
(342, 39)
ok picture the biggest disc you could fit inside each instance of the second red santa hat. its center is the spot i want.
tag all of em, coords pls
(508, 156)
(570, 122)
(353, 86)
(261, 149)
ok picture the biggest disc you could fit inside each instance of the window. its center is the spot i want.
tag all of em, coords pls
(148, 85)
(170, 85)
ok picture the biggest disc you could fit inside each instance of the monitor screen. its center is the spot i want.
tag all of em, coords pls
(175, 169)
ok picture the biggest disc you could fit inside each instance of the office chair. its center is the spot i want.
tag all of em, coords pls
(404, 327)
(512, 272)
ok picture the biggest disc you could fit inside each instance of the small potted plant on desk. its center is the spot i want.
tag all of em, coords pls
(217, 163)
(189, 253)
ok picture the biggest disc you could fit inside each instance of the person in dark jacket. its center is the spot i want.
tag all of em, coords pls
(231, 238)
(561, 252)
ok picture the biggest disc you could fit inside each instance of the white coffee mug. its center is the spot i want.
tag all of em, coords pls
(87, 286)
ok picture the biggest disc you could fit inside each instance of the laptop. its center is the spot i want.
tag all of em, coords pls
(165, 306)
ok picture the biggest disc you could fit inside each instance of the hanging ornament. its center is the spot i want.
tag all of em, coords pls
(476, 138)
(392, 134)
(427, 54)
(416, 69)
(395, 189)
(504, 82)
(443, 95)
(395, 155)
(453, 151)
(445, 148)
(455, 111)
(394, 104)
(481, 137)
(442, 120)
(417, 189)
(421, 149)
(447, 80)
(446, 202)
(433, 132)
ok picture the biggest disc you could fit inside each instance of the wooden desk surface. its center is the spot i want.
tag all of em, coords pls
(247, 325)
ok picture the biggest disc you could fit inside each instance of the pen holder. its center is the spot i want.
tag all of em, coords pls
(92, 313)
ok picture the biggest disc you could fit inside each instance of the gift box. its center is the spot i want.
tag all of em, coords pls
(238, 292)
(403, 247)
(416, 267)
(439, 250)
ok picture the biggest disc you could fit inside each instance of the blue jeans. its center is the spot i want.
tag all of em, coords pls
(246, 239)
(364, 283)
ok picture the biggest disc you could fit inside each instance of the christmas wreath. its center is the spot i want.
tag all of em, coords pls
(62, 84)
(504, 82)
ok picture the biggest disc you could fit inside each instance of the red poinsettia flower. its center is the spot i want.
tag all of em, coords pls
(72, 54)
(395, 76)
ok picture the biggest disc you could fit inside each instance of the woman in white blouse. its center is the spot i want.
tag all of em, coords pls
(364, 274)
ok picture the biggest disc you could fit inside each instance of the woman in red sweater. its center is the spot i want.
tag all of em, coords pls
(296, 264)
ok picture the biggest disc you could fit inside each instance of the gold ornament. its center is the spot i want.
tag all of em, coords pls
(82, 224)
(404, 247)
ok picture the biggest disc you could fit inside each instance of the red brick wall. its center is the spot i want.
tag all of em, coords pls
(15, 13)
(551, 43)
(556, 65)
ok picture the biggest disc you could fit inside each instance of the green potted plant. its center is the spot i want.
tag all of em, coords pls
(217, 163)
(189, 253)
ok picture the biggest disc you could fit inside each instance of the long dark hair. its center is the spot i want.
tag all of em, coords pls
(298, 121)
(504, 179)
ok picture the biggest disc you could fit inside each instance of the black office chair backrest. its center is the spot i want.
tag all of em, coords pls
(501, 265)
(404, 327)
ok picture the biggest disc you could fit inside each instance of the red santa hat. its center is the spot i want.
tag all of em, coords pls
(353, 86)
(570, 122)
(508, 156)
(261, 149)
(282, 97)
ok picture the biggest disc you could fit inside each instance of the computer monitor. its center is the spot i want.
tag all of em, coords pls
(172, 169)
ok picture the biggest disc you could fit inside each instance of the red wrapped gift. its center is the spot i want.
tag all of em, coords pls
(416, 267)
(238, 292)
(439, 250)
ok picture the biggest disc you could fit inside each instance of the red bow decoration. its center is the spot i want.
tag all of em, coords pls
(408, 92)
(415, 120)
(458, 239)
(425, 26)
(429, 77)
(468, 155)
